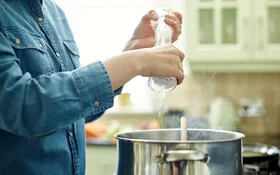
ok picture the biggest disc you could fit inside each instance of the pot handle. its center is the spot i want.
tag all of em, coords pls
(188, 155)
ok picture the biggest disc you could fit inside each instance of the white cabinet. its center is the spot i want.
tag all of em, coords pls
(267, 25)
(233, 35)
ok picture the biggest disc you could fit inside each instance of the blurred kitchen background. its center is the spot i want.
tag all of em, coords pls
(232, 52)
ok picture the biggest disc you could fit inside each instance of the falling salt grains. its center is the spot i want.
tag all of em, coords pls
(161, 108)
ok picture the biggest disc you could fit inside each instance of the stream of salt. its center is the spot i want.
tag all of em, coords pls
(161, 108)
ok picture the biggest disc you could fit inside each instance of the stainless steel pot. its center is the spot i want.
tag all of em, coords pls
(161, 152)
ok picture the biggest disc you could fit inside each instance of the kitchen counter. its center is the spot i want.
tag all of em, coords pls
(99, 142)
(268, 140)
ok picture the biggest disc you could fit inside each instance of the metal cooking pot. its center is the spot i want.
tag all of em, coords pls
(161, 152)
(260, 157)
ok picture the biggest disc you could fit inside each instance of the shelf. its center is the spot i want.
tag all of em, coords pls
(235, 67)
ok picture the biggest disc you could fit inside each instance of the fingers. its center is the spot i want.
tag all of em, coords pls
(180, 79)
(179, 65)
(181, 55)
(181, 70)
(179, 17)
(151, 15)
(175, 21)
(180, 73)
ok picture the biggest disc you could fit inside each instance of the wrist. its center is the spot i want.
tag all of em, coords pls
(136, 62)
(140, 62)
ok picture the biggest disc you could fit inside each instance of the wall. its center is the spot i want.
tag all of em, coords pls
(200, 89)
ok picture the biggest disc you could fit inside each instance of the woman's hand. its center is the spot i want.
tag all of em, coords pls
(160, 61)
(144, 37)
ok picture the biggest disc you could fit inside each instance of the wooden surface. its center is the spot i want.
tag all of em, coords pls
(267, 140)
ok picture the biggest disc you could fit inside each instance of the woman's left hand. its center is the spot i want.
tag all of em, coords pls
(144, 36)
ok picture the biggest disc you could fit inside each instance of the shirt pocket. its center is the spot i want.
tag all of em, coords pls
(31, 50)
(73, 52)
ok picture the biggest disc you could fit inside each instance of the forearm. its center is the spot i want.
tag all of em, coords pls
(122, 68)
(36, 105)
(41, 105)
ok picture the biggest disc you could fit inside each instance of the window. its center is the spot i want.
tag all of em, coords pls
(102, 28)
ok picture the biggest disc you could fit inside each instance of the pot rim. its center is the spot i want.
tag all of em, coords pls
(236, 136)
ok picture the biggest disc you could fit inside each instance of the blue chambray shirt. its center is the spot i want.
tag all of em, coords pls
(44, 102)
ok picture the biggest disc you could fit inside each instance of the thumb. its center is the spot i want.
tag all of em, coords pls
(151, 15)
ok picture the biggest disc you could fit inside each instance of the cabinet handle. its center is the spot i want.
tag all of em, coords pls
(246, 33)
(261, 34)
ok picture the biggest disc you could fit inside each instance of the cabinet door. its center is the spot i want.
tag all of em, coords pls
(101, 160)
(267, 21)
(218, 30)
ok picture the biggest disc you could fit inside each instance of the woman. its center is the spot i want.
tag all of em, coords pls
(46, 97)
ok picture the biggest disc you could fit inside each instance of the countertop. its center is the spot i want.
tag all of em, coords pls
(268, 140)
(99, 142)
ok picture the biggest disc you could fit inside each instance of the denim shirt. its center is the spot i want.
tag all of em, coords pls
(45, 99)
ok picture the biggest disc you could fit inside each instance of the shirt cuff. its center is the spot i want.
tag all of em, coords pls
(94, 88)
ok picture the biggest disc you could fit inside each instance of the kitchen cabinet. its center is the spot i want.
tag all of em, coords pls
(101, 159)
(233, 35)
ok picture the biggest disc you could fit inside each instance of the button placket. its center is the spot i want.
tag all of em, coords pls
(96, 103)
(17, 41)
(39, 19)
(70, 133)
(45, 26)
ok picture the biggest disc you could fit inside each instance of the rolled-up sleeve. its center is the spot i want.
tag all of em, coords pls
(94, 89)
(32, 107)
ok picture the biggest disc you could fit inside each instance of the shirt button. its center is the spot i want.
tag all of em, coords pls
(96, 103)
(57, 54)
(70, 133)
(17, 41)
(40, 19)
(41, 46)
